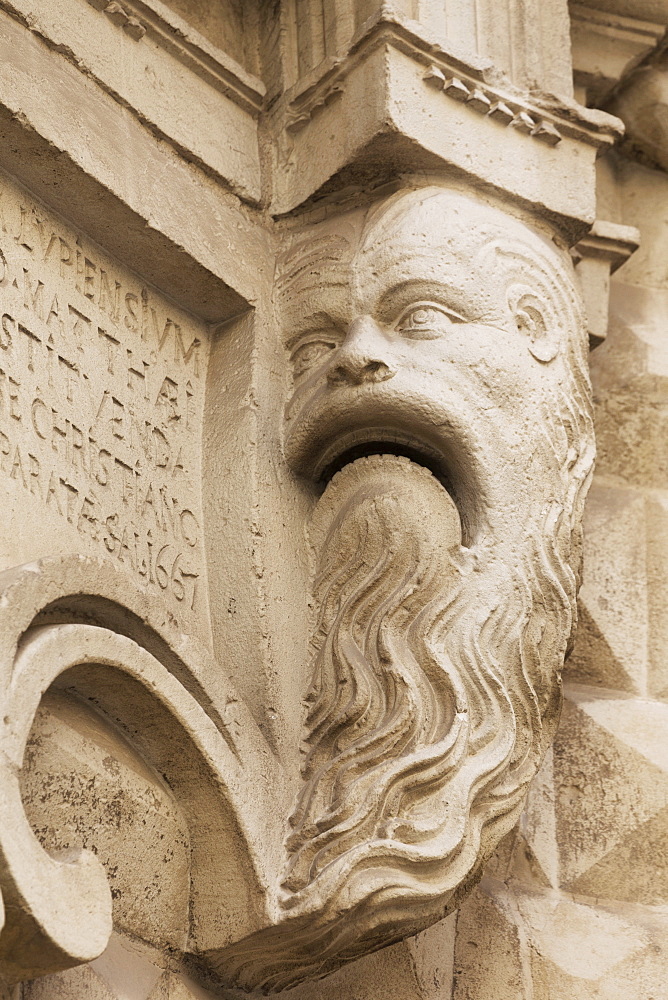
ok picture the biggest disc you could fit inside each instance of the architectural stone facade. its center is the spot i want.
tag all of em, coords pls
(318, 675)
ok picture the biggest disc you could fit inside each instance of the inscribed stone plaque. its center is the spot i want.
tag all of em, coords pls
(102, 384)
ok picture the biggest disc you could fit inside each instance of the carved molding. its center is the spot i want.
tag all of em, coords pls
(607, 44)
(492, 105)
(137, 17)
(215, 97)
(604, 249)
(119, 15)
(387, 135)
(74, 620)
(483, 29)
(457, 76)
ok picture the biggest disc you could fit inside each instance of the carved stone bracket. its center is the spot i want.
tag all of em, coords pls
(434, 684)
(69, 622)
(327, 430)
(608, 41)
(605, 248)
(443, 589)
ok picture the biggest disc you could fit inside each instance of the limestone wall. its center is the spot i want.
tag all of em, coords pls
(295, 433)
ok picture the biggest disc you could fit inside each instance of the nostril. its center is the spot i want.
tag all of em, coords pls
(340, 376)
(377, 371)
(357, 374)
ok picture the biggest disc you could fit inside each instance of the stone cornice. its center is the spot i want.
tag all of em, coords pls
(599, 254)
(475, 102)
(141, 17)
(471, 80)
(608, 44)
(610, 242)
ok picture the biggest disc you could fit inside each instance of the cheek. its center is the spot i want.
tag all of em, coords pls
(486, 345)
(304, 388)
(481, 348)
(496, 359)
(517, 384)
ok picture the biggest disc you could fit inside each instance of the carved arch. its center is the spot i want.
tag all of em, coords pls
(75, 619)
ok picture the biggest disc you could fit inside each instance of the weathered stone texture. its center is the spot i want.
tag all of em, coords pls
(581, 912)
(295, 437)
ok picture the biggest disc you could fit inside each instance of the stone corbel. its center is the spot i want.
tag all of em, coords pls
(607, 45)
(602, 251)
(642, 103)
(439, 441)
(443, 592)
(443, 586)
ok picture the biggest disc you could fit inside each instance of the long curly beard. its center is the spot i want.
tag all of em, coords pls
(424, 725)
(386, 720)
(417, 736)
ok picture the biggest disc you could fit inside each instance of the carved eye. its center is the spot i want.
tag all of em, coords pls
(310, 353)
(426, 321)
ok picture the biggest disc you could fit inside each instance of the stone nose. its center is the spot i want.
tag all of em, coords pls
(363, 355)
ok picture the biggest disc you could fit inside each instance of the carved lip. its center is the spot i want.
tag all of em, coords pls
(363, 442)
(324, 440)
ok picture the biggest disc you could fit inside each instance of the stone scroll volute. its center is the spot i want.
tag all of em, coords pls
(436, 434)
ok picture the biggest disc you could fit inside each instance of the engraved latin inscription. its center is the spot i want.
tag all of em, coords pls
(101, 396)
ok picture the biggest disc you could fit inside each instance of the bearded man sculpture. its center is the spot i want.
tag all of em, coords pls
(441, 395)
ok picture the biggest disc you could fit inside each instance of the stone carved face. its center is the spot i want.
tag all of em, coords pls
(445, 333)
(440, 392)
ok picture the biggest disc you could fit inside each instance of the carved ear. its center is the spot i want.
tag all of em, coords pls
(534, 321)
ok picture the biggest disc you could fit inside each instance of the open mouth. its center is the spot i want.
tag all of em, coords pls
(364, 448)
(360, 445)
(335, 428)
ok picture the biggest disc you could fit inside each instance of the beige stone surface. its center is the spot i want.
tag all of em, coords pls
(295, 436)
(379, 311)
(164, 219)
(76, 982)
(611, 648)
(610, 831)
(83, 785)
(195, 114)
(583, 895)
(124, 971)
(102, 401)
(518, 943)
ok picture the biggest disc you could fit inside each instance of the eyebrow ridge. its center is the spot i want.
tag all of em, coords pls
(320, 321)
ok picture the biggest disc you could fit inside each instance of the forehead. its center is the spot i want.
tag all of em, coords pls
(313, 273)
(447, 225)
(439, 238)
(429, 234)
